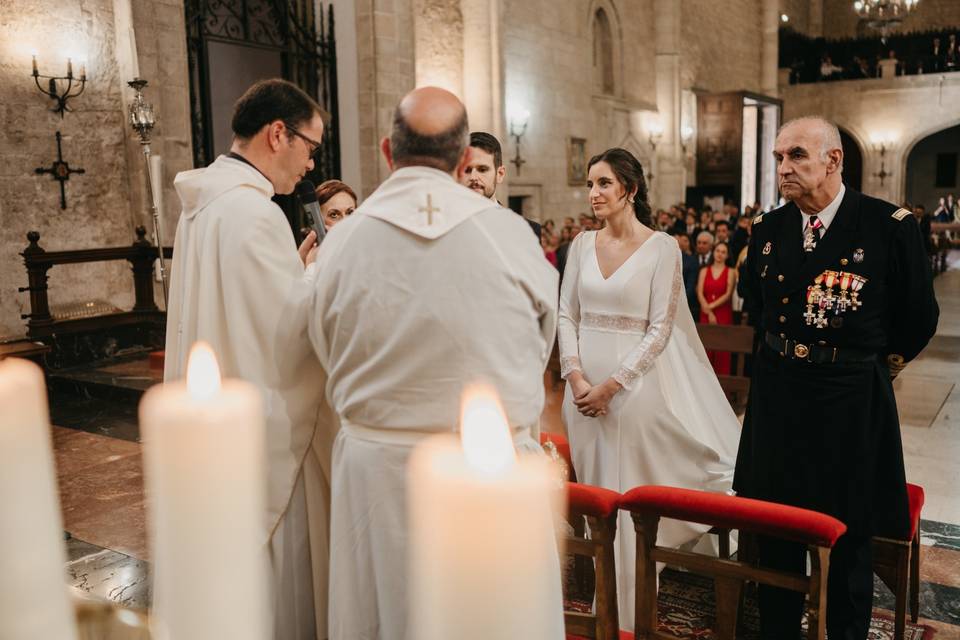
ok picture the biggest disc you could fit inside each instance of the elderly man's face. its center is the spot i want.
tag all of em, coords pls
(704, 245)
(802, 168)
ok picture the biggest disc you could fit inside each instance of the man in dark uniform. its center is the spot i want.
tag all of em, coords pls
(843, 291)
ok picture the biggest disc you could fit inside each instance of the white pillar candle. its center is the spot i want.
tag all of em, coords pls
(484, 557)
(33, 593)
(205, 475)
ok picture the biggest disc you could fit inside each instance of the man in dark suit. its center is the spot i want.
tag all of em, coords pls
(691, 271)
(486, 171)
(843, 290)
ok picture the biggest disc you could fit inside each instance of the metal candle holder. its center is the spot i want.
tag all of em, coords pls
(54, 92)
(142, 119)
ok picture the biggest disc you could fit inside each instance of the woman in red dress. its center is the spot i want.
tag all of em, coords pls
(715, 287)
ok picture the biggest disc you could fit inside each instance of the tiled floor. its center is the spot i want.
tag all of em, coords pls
(101, 483)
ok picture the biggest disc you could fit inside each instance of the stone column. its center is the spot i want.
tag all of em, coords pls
(483, 65)
(670, 174)
(385, 46)
(769, 47)
(815, 19)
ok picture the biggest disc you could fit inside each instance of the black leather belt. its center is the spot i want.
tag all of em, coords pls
(813, 352)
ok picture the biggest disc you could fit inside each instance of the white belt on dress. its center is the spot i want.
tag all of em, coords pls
(613, 322)
(405, 437)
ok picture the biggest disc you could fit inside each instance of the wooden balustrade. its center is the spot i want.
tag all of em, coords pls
(38, 261)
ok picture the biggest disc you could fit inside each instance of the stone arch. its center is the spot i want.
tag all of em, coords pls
(943, 139)
(606, 40)
(852, 160)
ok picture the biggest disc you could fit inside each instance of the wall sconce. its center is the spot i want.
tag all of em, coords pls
(881, 143)
(686, 137)
(519, 119)
(54, 92)
(654, 133)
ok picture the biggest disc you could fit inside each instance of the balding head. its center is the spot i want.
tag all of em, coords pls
(809, 161)
(429, 129)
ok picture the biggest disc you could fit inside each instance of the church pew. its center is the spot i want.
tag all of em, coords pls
(738, 340)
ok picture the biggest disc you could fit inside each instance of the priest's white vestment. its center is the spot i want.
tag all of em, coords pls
(425, 289)
(238, 283)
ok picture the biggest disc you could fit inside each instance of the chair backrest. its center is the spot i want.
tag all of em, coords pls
(738, 340)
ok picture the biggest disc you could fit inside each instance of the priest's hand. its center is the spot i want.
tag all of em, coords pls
(308, 249)
(597, 400)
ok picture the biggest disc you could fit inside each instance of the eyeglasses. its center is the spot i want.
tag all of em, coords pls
(314, 146)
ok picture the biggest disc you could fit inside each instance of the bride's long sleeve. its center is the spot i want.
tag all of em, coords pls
(664, 294)
(568, 321)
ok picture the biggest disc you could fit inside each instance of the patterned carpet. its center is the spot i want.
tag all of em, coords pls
(686, 610)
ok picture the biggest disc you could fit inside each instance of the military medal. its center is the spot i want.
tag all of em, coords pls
(767, 248)
(858, 256)
(822, 298)
(856, 284)
(763, 272)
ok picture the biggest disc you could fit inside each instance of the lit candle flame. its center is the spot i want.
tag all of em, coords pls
(484, 433)
(203, 373)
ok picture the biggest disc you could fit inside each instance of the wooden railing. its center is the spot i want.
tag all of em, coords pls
(38, 261)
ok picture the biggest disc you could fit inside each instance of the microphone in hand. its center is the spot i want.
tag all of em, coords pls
(307, 195)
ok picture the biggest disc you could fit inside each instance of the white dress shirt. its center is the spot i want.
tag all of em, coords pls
(826, 215)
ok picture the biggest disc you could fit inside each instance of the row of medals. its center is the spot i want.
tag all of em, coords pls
(821, 297)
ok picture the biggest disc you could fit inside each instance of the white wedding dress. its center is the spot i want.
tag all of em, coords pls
(671, 424)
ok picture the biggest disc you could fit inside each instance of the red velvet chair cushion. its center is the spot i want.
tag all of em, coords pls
(733, 512)
(563, 448)
(915, 496)
(592, 501)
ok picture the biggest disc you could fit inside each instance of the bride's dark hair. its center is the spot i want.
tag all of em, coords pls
(629, 172)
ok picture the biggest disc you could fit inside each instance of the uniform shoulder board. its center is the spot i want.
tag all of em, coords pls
(758, 219)
(900, 214)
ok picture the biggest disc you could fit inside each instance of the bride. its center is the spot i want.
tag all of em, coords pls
(642, 403)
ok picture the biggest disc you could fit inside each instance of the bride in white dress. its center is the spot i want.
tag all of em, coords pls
(642, 404)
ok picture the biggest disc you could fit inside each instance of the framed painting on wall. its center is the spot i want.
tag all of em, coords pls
(576, 162)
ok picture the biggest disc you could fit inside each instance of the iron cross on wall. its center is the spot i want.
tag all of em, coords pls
(61, 172)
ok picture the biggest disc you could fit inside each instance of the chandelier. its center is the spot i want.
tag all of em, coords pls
(884, 15)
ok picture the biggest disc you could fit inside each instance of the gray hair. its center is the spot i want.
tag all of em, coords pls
(705, 234)
(828, 131)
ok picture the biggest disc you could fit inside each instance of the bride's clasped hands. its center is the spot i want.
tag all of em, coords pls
(592, 400)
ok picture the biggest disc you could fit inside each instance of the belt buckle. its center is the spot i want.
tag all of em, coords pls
(801, 351)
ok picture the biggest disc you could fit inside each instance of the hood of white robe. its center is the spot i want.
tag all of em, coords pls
(404, 198)
(199, 187)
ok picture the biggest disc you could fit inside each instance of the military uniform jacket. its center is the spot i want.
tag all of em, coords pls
(825, 435)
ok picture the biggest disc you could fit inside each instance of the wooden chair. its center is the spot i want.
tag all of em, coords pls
(738, 340)
(724, 512)
(600, 508)
(897, 564)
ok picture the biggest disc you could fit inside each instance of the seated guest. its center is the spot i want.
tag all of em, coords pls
(337, 201)
(828, 70)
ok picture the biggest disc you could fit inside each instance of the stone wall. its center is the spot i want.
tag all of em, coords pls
(548, 57)
(798, 11)
(904, 109)
(840, 20)
(105, 204)
(721, 45)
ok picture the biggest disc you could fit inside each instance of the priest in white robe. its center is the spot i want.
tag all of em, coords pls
(238, 283)
(425, 289)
